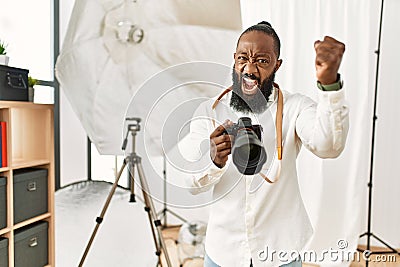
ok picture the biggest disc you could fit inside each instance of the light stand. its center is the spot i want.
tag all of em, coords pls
(163, 212)
(369, 234)
(133, 160)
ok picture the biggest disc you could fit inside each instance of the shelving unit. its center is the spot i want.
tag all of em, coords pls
(30, 144)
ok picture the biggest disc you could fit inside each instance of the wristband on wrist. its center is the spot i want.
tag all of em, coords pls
(333, 86)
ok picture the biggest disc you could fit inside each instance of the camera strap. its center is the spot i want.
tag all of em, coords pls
(278, 122)
(278, 128)
(279, 141)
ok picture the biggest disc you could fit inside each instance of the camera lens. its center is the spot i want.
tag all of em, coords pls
(248, 153)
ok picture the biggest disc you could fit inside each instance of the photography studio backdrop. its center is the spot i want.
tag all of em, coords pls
(335, 191)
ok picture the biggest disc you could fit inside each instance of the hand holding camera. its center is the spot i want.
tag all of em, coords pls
(243, 140)
(220, 144)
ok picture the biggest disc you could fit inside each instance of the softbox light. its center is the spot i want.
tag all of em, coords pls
(112, 47)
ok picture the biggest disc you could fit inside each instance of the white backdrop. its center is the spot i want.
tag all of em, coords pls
(386, 215)
(335, 191)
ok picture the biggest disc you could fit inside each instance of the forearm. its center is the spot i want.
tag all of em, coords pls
(323, 127)
(201, 172)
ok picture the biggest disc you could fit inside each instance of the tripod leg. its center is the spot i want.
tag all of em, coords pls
(99, 219)
(177, 216)
(152, 213)
(165, 190)
(131, 173)
(393, 250)
(153, 231)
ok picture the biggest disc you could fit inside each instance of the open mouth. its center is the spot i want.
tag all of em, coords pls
(249, 86)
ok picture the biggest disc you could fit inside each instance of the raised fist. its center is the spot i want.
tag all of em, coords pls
(329, 53)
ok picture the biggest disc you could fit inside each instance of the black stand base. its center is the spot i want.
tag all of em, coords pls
(390, 251)
(370, 252)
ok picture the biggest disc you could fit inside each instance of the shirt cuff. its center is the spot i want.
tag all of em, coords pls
(333, 86)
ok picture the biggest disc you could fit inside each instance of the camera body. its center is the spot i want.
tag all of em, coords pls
(248, 152)
(237, 127)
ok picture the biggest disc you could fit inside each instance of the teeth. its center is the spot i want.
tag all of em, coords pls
(249, 85)
(249, 81)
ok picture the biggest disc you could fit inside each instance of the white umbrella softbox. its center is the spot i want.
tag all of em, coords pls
(112, 47)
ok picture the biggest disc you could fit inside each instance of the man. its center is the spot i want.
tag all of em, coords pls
(260, 219)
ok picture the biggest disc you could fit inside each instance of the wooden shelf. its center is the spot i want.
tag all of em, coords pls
(21, 163)
(32, 220)
(4, 230)
(4, 169)
(24, 105)
(30, 144)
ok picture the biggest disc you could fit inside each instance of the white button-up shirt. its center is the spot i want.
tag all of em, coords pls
(250, 218)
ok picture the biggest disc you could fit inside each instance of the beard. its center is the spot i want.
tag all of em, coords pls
(256, 103)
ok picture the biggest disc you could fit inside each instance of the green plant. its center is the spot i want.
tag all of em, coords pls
(31, 81)
(3, 48)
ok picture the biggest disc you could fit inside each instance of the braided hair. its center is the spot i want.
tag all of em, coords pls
(266, 28)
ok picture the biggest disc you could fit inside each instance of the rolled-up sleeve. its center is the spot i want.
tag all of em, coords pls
(322, 127)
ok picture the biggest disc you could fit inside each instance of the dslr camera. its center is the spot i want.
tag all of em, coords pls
(248, 152)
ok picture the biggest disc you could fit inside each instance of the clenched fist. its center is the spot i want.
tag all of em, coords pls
(329, 53)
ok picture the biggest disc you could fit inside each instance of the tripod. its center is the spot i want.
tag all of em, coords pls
(133, 160)
(165, 209)
(369, 234)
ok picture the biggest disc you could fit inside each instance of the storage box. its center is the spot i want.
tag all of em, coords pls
(31, 245)
(13, 83)
(3, 202)
(30, 193)
(3, 252)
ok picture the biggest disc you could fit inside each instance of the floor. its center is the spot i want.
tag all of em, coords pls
(170, 238)
(78, 205)
(171, 235)
(379, 260)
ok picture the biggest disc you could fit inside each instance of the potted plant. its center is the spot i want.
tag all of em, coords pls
(31, 82)
(3, 53)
